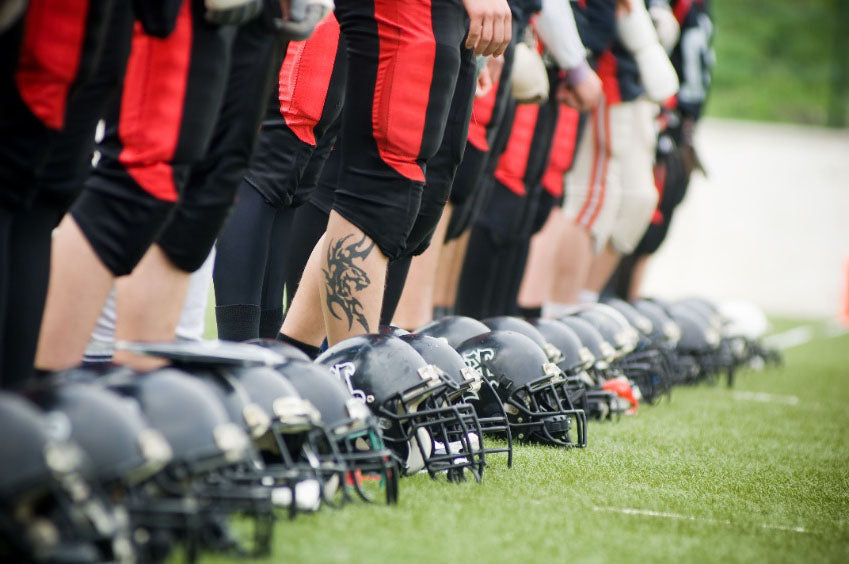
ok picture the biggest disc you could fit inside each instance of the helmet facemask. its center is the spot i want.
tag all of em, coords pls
(541, 411)
(425, 431)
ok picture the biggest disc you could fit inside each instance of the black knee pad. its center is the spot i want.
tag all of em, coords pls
(120, 225)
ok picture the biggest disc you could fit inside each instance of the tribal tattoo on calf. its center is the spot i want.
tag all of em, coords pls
(342, 278)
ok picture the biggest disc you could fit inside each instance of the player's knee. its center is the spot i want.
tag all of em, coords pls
(120, 227)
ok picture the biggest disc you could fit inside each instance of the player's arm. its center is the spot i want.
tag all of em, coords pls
(556, 27)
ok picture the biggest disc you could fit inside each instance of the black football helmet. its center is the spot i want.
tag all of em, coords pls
(574, 356)
(613, 326)
(616, 329)
(575, 360)
(699, 346)
(603, 352)
(192, 496)
(123, 448)
(665, 332)
(647, 364)
(466, 384)
(392, 330)
(665, 335)
(409, 397)
(728, 355)
(509, 323)
(51, 510)
(283, 349)
(285, 428)
(455, 329)
(302, 465)
(531, 389)
(350, 425)
(601, 404)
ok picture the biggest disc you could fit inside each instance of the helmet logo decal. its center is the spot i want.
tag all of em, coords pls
(344, 371)
(478, 359)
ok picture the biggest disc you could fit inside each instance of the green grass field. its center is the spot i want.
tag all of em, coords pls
(717, 474)
(776, 59)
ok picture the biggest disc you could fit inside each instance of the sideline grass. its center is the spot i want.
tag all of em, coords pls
(714, 475)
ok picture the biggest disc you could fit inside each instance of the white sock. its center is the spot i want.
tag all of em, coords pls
(554, 310)
(587, 297)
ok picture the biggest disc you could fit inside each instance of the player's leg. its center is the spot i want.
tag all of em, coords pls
(134, 186)
(415, 307)
(590, 202)
(633, 136)
(536, 282)
(432, 220)
(307, 100)
(189, 235)
(392, 125)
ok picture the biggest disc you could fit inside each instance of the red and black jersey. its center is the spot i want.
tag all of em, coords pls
(620, 77)
(596, 22)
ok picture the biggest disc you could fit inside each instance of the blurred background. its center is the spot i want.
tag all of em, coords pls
(769, 222)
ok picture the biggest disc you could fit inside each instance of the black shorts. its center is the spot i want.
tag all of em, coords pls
(406, 58)
(291, 149)
(159, 125)
(205, 202)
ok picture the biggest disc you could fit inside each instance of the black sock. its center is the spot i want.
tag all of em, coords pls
(530, 312)
(237, 322)
(442, 311)
(396, 277)
(310, 350)
(270, 320)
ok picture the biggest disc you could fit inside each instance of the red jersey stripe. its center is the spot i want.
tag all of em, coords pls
(604, 167)
(54, 32)
(402, 88)
(607, 69)
(514, 161)
(562, 150)
(152, 105)
(305, 78)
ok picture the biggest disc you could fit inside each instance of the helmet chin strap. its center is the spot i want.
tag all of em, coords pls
(415, 462)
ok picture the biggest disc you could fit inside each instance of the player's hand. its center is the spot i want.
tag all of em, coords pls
(623, 5)
(582, 96)
(490, 26)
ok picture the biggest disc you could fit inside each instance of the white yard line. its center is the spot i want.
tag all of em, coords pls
(678, 516)
(765, 397)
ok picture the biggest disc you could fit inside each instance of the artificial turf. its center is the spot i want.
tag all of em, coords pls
(717, 474)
